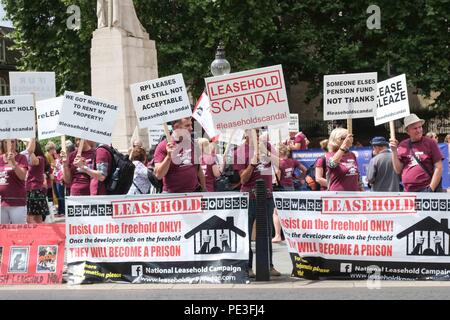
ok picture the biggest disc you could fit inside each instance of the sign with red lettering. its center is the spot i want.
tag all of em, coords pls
(31, 254)
(249, 99)
(354, 236)
(193, 238)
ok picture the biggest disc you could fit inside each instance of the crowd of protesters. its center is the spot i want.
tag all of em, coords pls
(31, 180)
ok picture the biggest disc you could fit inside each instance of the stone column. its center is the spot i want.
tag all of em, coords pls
(118, 60)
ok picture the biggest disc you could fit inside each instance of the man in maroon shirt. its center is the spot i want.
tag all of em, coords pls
(418, 159)
(298, 141)
(177, 164)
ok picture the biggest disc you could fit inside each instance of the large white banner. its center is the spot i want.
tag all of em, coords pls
(186, 238)
(17, 117)
(87, 118)
(392, 100)
(248, 99)
(41, 84)
(349, 96)
(160, 100)
(350, 235)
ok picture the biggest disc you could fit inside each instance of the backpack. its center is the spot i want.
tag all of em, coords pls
(310, 176)
(121, 175)
(156, 183)
(229, 180)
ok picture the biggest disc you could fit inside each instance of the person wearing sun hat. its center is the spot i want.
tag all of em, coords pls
(417, 159)
(380, 171)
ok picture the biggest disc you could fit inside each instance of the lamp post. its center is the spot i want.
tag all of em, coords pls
(220, 65)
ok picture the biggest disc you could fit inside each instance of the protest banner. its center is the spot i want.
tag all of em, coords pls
(41, 84)
(202, 113)
(294, 124)
(332, 235)
(87, 118)
(48, 112)
(249, 99)
(160, 100)
(31, 254)
(188, 238)
(155, 133)
(17, 117)
(349, 96)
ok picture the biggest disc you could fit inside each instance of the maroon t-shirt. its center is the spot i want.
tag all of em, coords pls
(301, 138)
(321, 163)
(182, 175)
(262, 171)
(287, 167)
(207, 163)
(103, 163)
(345, 177)
(81, 181)
(414, 178)
(12, 189)
(35, 177)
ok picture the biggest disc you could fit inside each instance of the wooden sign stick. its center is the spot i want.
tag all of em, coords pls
(392, 129)
(350, 126)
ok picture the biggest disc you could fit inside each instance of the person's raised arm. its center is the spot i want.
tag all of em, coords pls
(398, 165)
(162, 168)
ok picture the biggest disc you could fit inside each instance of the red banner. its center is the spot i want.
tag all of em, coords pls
(31, 254)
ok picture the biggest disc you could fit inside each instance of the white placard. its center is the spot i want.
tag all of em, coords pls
(48, 112)
(294, 124)
(160, 100)
(349, 96)
(202, 113)
(155, 132)
(17, 117)
(392, 100)
(249, 99)
(278, 131)
(233, 136)
(87, 118)
(41, 84)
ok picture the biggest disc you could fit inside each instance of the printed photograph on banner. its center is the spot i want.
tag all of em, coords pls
(392, 100)
(248, 99)
(41, 84)
(87, 118)
(160, 100)
(349, 96)
(17, 117)
(46, 259)
(18, 260)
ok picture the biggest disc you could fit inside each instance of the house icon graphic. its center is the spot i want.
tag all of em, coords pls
(215, 236)
(427, 237)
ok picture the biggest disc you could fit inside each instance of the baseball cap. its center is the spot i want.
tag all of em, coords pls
(379, 141)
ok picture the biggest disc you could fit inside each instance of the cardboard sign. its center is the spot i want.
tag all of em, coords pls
(41, 84)
(249, 99)
(17, 117)
(87, 118)
(392, 100)
(31, 254)
(294, 124)
(349, 96)
(161, 100)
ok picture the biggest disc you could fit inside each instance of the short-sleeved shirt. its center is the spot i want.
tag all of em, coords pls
(81, 181)
(287, 168)
(262, 171)
(345, 177)
(103, 163)
(414, 178)
(381, 174)
(35, 176)
(12, 189)
(321, 162)
(207, 162)
(182, 175)
(301, 138)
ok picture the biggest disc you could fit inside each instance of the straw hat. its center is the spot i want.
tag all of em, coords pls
(412, 118)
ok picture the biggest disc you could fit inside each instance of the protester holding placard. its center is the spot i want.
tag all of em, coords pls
(100, 171)
(418, 159)
(209, 163)
(342, 167)
(176, 163)
(251, 167)
(36, 184)
(78, 179)
(13, 171)
(321, 167)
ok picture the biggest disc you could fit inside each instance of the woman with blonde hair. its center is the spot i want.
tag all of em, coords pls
(342, 167)
(209, 163)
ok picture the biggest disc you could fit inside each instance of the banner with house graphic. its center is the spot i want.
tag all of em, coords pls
(183, 238)
(374, 236)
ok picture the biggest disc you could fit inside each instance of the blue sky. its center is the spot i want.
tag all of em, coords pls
(2, 15)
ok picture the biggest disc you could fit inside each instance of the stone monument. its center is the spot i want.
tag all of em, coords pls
(121, 54)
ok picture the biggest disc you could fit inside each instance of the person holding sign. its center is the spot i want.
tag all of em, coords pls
(418, 159)
(342, 167)
(75, 176)
(13, 171)
(176, 163)
(209, 163)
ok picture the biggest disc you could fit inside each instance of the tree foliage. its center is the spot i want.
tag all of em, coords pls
(310, 38)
